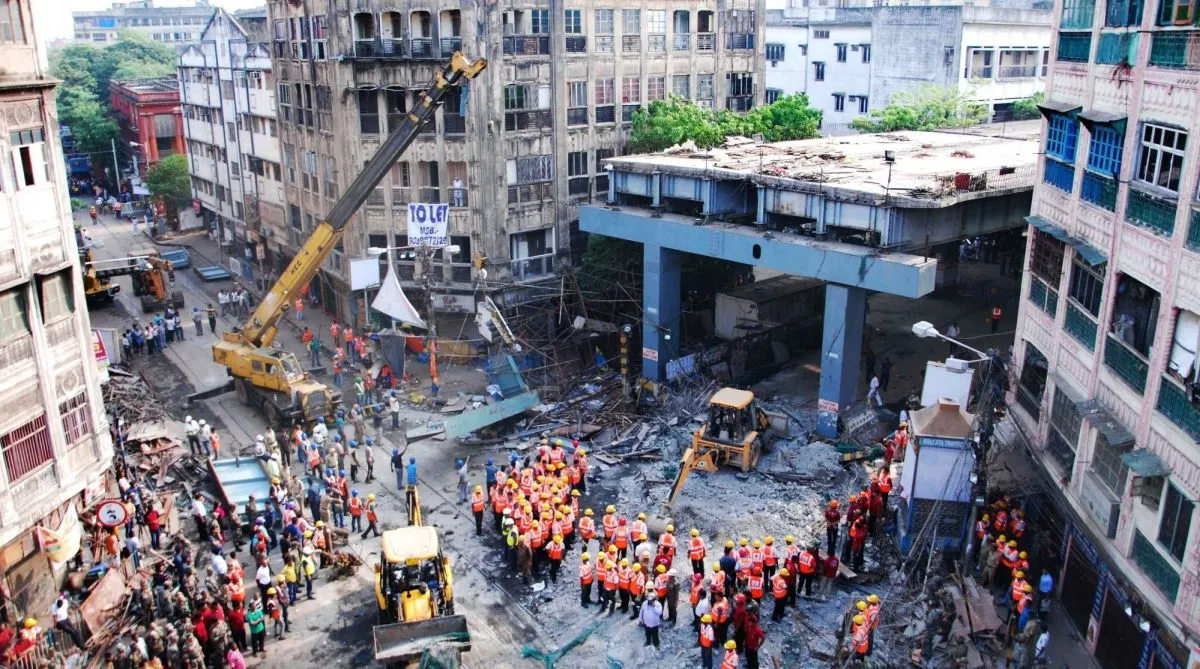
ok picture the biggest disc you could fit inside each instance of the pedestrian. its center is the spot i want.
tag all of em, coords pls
(198, 321)
(205, 438)
(952, 333)
(300, 309)
(200, 514)
(237, 624)
(873, 392)
(62, 620)
(212, 320)
(885, 374)
(754, 640)
(370, 457)
(394, 409)
(995, 319)
(650, 616)
(460, 467)
(258, 627)
(223, 300)
(397, 465)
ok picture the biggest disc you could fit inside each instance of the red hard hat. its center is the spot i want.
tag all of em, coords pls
(741, 597)
(757, 570)
(621, 521)
(697, 577)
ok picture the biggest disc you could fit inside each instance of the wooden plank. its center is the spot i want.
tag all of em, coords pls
(104, 600)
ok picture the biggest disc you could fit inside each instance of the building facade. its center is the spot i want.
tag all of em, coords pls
(228, 100)
(167, 24)
(150, 120)
(54, 441)
(851, 60)
(516, 151)
(1110, 322)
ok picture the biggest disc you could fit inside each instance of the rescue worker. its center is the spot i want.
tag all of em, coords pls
(779, 590)
(499, 504)
(586, 575)
(637, 589)
(661, 581)
(707, 637)
(696, 551)
(356, 510)
(885, 487)
(666, 544)
(731, 656)
(728, 564)
(718, 580)
(720, 616)
(1008, 563)
(587, 528)
(874, 606)
(755, 584)
(858, 541)
(372, 517)
(860, 641)
(770, 558)
(807, 564)
(829, 572)
(624, 576)
(1018, 586)
(609, 524)
(738, 619)
(637, 531)
(611, 585)
(981, 532)
(555, 552)
(477, 505)
(620, 539)
(695, 596)
(833, 518)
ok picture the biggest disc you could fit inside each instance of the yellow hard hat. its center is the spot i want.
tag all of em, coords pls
(660, 569)
(588, 512)
(743, 541)
(861, 605)
(1027, 588)
(1003, 539)
(641, 516)
(611, 509)
(575, 493)
(986, 517)
(478, 488)
(624, 562)
(874, 599)
(609, 564)
(636, 567)
(903, 423)
(729, 544)
(1023, 555)
(769, 540)
(371, 497)
(581, 451)
(270, 592)
(706, 618)
(1020, 574)
(558, 537)
(612, 548)
(670, 528)
(275, 480)
(757, 543)
(859, 620)
(784, 572)
(1012, 543)
(585, 557)
(789, 539)
(695, 532)
(558, 515)
(30, 623)
(716, 567)
(308, 534)
(730, 644)
(320, 523)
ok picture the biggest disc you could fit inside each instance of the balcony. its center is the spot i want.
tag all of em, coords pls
(429, 194)
(524, 269)
(682, 42)
(365, 48)
(535, 192)
(1045, 297)
(1151, 212)
(454, 124)
(739, 41)
(1099, 190)
(1125, 363)
(458, 198)
(577, 116)
(421, 47)
(16, 350)
(606, 114)
(532, 119)
(391, 48)
(375, 199)
(527, 45)
(576, 44)
(604, 44)
(1155, 566)
(706, 41)
(1178, 50)
(1059, 174)
(1193, 238)
(450, 45)
(1080, 326)
(1018, 71)
(631, 43)
(401, 196)
(1074, 47)
(1173, 402)
(579, 186)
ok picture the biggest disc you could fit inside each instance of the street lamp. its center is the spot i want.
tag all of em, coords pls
(926, 330)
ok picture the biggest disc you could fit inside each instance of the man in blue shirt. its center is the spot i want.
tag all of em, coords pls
(412, 471)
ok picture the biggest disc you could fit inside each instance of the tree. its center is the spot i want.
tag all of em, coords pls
(169, 179)
(1027, 108)
(135, 53)
(94, 131)
(928, 108)
(142, 69)
(669, 122)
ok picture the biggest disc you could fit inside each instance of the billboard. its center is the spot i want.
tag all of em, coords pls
(428, 224)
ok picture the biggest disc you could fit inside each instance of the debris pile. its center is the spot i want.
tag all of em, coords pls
(130, 396)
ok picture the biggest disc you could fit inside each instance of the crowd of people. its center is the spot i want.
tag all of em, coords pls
(162, 330)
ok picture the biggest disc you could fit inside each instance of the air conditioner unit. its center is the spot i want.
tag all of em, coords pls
(854, 47)
(1100, 503)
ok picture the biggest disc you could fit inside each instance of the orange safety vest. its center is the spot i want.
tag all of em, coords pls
(587, 528)
(371, 517)
(636, 529)
(1023, 603)
(1001, 521)
(668, 540)
(610, 525)
(581, 463)
(621, 537)
(611, 579)
(779, 587)
(885, 482)
(755, 584)
(707, 635)
(556, 455)
(696, 548)
(980, 529)
(808, 564)
(623, 576)
(347, 335)
(555, 549)
(756, 557)
(861, 638)
(720, 611)
(333, 331)
(498, 500)
(697, 593)
(730, 661)
(996, 313)
(872, 616)
(768, 556)
(585, 574)
(637, 583)
(660, 585)
(1018, 589)
(355, 507)
(718, 581)
(477, 501)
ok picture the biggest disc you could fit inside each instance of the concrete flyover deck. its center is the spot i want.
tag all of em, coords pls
(850, 271)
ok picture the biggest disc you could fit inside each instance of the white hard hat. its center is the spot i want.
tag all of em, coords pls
(188, 419)
(258, 437)
(202, 421)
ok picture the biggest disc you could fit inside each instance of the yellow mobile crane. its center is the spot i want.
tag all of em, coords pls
(273, 378)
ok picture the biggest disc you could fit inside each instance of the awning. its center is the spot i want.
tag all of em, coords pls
(1090, 254)
(1093, 117)
(1110, 428)
(1048, 107)
(1143, 462)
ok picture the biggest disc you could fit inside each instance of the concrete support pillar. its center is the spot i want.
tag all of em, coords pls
(660, 302)
(656, 189)
(841, 348)
(706, 196)
(760, 216)
(612, 187)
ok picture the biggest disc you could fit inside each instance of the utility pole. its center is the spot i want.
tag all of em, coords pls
(116, 165)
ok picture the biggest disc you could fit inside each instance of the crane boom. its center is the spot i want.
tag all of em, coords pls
(260, 328)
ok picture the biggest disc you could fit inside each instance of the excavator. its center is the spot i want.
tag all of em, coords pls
(271, 378)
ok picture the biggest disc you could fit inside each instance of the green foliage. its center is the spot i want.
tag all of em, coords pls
(1027, 108)
(135, 53)
(669, 122)
(94, 131)
(169, 178)
(928, 108)
(142, 69)
(609, 262)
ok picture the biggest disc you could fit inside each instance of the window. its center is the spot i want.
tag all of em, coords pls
(866, 53)
(604, 92)
(631, 21)
(980, 65)
(1062, 135)
(539, 21)
(1107, 464)
(863, 104)
(839, 102)
(1065, 425)
(1104, 151)
(577, 164)
(289, 162)
(76, 418)
(368, 113)
(773, 94)
(656, 21)
(577, 100)
(656, 88)
(573, 22)
(1175, 523)
(320, 33)
(56, 295)
(820, 34)
(841, 52)
(529, 169)
(1176, 12)
(775, 52)
(681, 85)
(704, 87)
(819, 71)
(29, 157)
(1087, 286)
(1046, 258)
(1162, 156)
(401, 176)
(604, 22)
(14, 319)
(27, 448)
(1077, 14)
(227, 89)
(739, 84)
(631, 90)
(12, 28)
(601, 156)
(514, 97)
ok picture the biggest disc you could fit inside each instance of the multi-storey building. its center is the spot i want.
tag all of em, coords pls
(516, 151)
(54, 441)
(851, 60)
(1110, 323)
(228, 99)
(167, 24)
(150, 119)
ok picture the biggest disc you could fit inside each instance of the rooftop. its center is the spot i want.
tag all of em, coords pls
(930, 169)
(156, 85)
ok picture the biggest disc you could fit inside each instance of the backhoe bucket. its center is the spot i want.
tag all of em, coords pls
(401, 643)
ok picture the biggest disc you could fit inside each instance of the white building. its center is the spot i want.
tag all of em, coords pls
(851, 60)
(228, 99)
(55, 446)
(169, 25)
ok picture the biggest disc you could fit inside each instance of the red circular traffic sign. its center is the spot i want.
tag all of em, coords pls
(112, 513)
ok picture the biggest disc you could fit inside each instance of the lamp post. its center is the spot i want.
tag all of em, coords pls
(926, 330)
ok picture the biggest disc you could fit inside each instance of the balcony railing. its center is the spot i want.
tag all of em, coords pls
(1045, 297)
(527, 45)
(1151, 212)
(706, 41)
(1059, 174)
(60, 331)
(604, 43)
(577, 116)
(1018, 71)
(1176, 50)
(450, 45)
(656, 43)
(429, 194)
(375, 198)
(1193, 238)
(739, 41)
(1099, 190)
(528, 120)
(631, 43)
(1155, 566)
(606, 114)
(579, 186)
(1074, 47)
(531, 268)
(401, 196)
(682, 41)
(1125, 363)
(391, 48)
(535, 192)
(1113, 48)
(458, 197)
(422, 47)
(455, 124)
(364, 48)
(1173, 402)
(1080, 326)
(576, 44)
